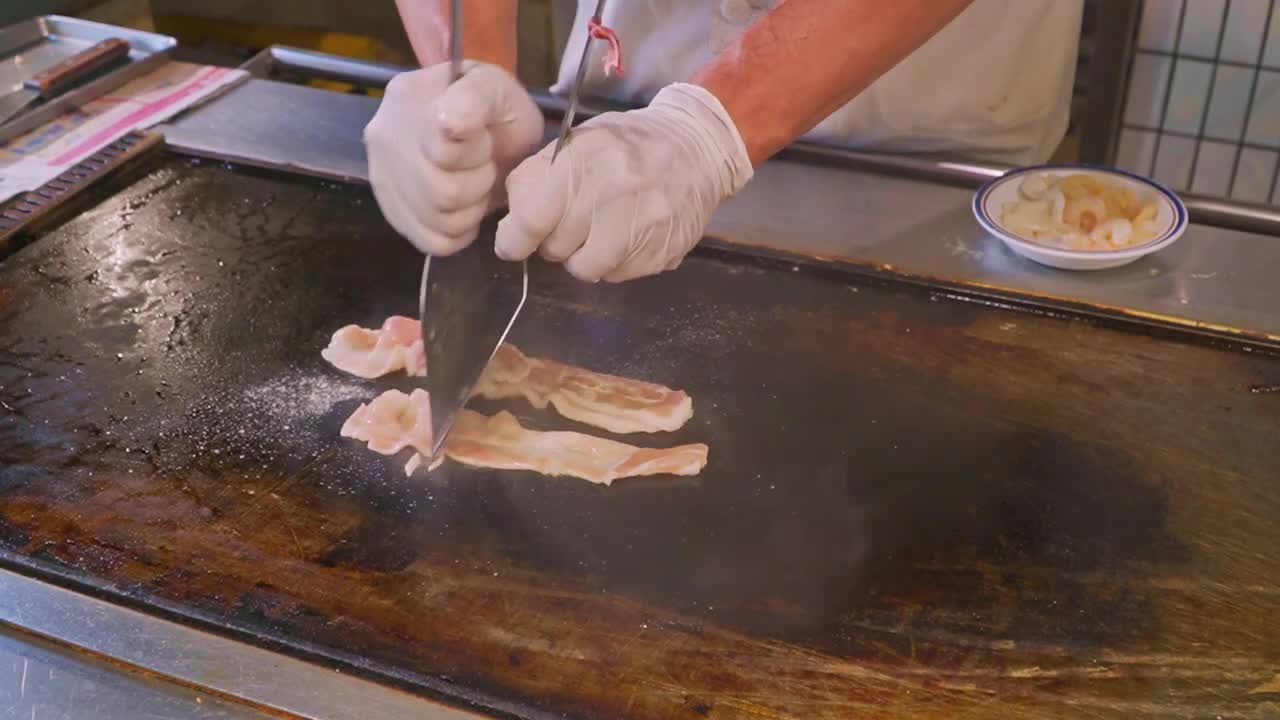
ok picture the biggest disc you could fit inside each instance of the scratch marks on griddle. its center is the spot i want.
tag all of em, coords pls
(743, 677)
(14, 412)
(149, 189)
(11, 359)
(1271, 686)
(275, 488)
(538, 645)
(610, 652)
(172, 340)
(284, 519)
(267, 229)
(286, 230)
(575, 306)
(306, 471)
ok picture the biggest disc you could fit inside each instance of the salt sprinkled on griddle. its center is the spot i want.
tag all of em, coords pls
(302, 398)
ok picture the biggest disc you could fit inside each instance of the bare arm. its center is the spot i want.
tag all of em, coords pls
(805, 59)
(489, 30)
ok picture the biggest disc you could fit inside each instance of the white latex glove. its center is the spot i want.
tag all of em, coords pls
(438, 153)
(632, 192)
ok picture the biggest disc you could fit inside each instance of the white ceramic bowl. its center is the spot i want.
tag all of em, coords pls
(990, 200)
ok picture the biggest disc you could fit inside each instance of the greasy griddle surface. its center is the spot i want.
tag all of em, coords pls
(914, 507)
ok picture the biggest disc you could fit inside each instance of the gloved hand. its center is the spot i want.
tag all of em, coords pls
(632, 192)
(438, 153)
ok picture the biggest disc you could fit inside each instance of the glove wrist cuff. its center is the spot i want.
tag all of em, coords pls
(714, 128)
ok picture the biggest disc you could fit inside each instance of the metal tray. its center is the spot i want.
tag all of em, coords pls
(33, 45)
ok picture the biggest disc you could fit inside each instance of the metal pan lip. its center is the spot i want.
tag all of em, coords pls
(986, 216)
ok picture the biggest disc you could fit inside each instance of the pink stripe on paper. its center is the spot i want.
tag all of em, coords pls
(125, 124)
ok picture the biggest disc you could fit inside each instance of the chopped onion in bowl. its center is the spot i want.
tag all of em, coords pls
(1080, 212)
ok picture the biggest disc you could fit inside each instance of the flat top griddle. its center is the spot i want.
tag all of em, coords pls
(914, 506)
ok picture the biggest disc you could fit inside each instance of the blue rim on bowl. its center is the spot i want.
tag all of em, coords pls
(989, 223)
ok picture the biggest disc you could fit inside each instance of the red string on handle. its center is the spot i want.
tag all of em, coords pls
(613, 58)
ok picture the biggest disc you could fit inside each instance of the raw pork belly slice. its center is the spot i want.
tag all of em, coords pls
(392, 422)
(500, 442)
(395, 421)
(617, 404)
(397, 345)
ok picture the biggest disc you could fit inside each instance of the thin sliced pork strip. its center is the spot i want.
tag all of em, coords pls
(501, 442)
(394, 421)
(365, 353)
(617, 404)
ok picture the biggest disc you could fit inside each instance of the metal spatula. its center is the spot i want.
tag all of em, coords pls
(53, 80)
(467, 303)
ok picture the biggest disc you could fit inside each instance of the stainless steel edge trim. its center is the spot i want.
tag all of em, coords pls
(199, 659)
(50, 680)
(322, 66)
(1262, 219)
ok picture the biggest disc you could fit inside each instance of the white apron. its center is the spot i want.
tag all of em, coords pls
(995, 84)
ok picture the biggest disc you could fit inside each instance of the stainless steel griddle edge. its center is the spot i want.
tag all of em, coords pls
(185, 655)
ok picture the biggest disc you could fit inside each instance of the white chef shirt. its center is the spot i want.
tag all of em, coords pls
(995, 84)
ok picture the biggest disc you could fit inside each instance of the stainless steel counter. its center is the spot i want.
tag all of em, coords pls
(51, 639)
(1214, 278)
(41, 680)
(279, 125)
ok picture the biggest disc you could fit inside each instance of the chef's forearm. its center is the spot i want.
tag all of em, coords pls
(806, 58)
(489, 30)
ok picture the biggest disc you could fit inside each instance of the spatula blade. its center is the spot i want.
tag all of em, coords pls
(469, 303)
(15, 102)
